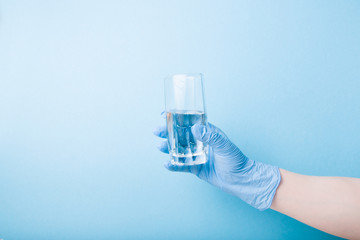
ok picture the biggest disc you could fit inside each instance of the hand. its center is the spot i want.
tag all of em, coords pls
(228, 168)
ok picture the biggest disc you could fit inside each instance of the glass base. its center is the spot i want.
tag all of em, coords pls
(190, 160)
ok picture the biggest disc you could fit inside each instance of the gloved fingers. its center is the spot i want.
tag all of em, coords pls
(194, 169)
(160, 131)
(163, 147)
(176, 168)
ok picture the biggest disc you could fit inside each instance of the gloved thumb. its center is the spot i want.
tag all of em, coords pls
(216, 139)
(209, 134)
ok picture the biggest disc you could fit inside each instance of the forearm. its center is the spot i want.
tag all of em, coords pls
(331, 204)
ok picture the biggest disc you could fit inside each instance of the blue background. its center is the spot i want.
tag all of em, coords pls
(81, 89)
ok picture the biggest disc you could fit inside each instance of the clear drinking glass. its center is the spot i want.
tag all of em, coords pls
(184, 105)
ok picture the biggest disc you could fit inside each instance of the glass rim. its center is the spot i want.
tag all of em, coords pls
(186, 79)
(184, 74)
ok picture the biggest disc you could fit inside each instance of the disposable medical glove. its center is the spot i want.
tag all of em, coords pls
(228, 168)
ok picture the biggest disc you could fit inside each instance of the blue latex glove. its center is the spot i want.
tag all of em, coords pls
(228, 168)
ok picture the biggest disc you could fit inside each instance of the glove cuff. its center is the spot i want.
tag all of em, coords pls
(257, 185)
(267, 196)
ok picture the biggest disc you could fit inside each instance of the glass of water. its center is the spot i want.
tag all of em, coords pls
(184, 105)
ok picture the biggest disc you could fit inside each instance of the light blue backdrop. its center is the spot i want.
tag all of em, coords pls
(81, 89)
